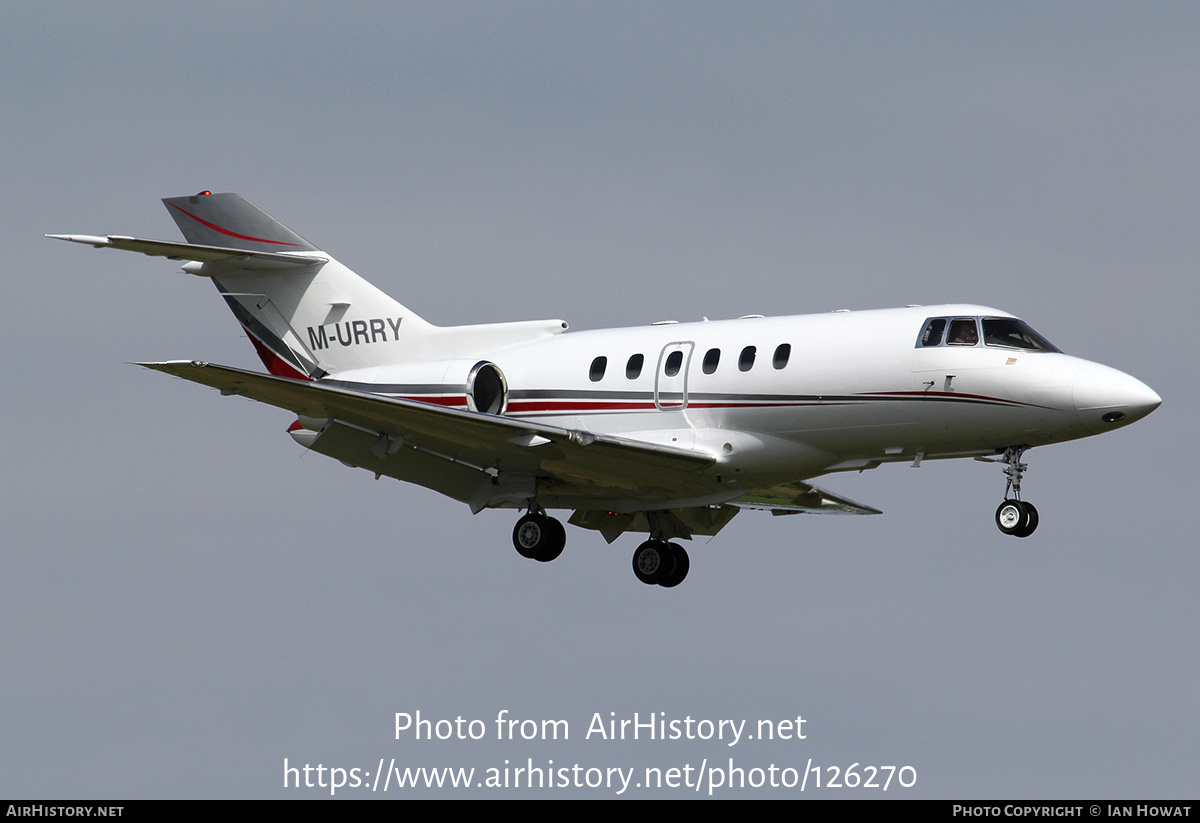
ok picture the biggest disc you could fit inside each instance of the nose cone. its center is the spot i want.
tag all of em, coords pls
(1107, 399)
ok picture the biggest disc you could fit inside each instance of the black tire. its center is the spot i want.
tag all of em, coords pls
(530, 535)
(1030, 524)
(652, 561)
(555, 541)
(1011, 516)
(682, 564)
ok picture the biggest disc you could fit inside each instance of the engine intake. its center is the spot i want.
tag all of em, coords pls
(487, 390)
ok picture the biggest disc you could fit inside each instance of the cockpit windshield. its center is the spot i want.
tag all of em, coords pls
(998, 332)
(1011, 333)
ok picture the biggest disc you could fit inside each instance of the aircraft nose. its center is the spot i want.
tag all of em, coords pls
(1108, 399)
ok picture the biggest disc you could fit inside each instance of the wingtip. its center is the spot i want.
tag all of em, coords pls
(86, 239)
(167, 365)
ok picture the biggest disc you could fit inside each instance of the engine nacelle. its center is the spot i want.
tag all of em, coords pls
(487, 390)
(480, 385)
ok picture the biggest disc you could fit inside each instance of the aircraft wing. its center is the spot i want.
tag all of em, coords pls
(193, 251)
(797, 498)
(466, 455)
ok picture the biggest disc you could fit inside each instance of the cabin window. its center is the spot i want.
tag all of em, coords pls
(596, 373)
(963, 332)
(932, 336)
(782, 352)
(746, 359)
(633, 369)
(673, 364)
(711, 358)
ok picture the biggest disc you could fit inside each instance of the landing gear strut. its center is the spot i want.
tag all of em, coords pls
(657, 562)
(539, 536)
(1015, 516)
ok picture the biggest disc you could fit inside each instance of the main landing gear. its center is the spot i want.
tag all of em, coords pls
(657, 562)
(1015, 516)
(539, 536)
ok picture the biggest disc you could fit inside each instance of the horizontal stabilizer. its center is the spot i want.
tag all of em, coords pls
(797, 498)
(245, 258)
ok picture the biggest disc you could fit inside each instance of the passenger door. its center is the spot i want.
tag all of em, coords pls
(670, 376)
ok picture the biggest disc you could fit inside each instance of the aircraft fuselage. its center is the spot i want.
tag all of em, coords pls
(847, 390)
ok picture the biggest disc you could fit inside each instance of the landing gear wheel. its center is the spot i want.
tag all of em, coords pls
(556, 539)
(529, 534)
(682, 564)
(1030, 523)
(539, 537)
(1010, 517)
(1016, 517)
(653, 561)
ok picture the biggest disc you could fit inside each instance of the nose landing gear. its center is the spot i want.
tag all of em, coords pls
(1015, 516)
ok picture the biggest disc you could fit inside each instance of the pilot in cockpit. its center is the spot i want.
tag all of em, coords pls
(963, 332)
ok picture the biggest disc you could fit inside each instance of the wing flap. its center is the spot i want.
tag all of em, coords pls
(797, 498)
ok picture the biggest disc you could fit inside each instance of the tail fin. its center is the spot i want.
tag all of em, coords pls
(232, 221)
(308, 315)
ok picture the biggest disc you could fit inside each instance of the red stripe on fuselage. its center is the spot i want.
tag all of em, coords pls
(437, 401)
(539, 406)
(943, 395)
(584, 405)
(575, 405)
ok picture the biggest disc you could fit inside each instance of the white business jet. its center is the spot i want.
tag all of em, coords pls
(668, 430)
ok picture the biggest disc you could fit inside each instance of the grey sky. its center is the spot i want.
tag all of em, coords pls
(188, 598)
